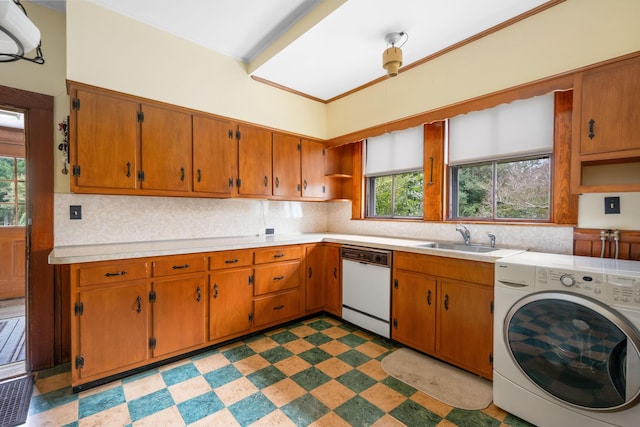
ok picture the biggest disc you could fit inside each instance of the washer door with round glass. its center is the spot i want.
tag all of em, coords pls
(576, 349)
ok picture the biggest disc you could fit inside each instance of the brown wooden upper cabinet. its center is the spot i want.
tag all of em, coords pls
(255, 154)
(104, 142)
(312, 159)
(215, 156)
(287, 176)
(606, 146)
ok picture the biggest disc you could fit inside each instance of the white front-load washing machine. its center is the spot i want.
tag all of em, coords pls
(567, 340)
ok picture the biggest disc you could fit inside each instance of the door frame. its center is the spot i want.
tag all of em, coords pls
(39, 130)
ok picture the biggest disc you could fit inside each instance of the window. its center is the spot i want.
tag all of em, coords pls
(500, 161)
(12, 191)
(394, 174)
(396, 196)
(502, 190)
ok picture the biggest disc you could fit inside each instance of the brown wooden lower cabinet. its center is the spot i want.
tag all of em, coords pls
(230, 294)
(443, 307)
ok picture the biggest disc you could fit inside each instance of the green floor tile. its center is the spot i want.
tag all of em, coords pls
(358, 412)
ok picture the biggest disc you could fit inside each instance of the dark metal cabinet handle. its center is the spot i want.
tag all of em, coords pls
(181, 174)
(335, 272)
(278, 278)
(429, 297)
(199, 175)
(199, 294)
(310, 272)
(304, 184)
(279, 307)
(280, 255)
(591, 133)
(215, 290)
(277, 182)
(128, 170)
(431, 172)
(179, 267)
(119, 273)
(446, 301)
(139, 301)
(266, 181)
(230, 261)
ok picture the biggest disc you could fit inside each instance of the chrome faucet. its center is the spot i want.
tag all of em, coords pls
(492, 239)
(466, 234)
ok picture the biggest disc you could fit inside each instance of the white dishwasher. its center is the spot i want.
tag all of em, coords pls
(366, 288)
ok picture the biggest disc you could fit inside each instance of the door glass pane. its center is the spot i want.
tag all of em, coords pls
(571, 352)
(7, 191)
(22, 175)
(7, 214)
(22, 214)
(22, 192)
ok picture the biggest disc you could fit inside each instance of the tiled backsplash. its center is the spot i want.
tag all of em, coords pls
(116, 219)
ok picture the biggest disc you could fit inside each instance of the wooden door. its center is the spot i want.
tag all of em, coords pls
(286, 165)
(315, 278)
(313, 180)
(165, 138)
(611, 98)
(215, 156)
(178, 314)
(333, 284)
(254, 161)
(114, 327)
(465, 325)
(414, 300)
(103, 142)
(230, 296)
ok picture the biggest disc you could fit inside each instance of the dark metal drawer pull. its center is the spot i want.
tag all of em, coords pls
(199, 294)
(278, 278)
(119, 273)
(230, 261)
(215, 290)
(278, 255)
(139, 301)
(280, 307)
(179, 267)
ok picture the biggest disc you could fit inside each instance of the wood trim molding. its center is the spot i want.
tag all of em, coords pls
(564, 204)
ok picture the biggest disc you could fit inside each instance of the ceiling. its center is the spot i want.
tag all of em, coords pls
(320, 48)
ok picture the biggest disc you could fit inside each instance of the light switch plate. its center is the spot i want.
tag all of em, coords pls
(612, 205)
(75, 212)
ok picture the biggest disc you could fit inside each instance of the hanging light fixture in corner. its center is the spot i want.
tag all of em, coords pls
(18, 35)
(392, 56)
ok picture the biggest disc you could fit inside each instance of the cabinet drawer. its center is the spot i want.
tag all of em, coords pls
(179, 265)
(283, 253)
(277, 277)
(460, 269)
(229, 259)
(109, 273)
(277, 307)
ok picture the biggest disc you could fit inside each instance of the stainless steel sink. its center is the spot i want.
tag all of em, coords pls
(458, 247)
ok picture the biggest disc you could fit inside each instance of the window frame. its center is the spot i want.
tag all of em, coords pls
(370, 199)
(452, 192)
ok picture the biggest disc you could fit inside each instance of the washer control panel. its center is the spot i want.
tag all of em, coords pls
(589, 284)
(624, 290)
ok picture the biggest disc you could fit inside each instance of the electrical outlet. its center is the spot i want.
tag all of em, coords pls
(75, 212)
(269, 231)
(612, 205)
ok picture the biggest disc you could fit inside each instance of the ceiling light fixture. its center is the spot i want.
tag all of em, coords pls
(18, 35)
(392, 56)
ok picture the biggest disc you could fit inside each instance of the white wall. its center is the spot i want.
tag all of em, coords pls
(591, 212)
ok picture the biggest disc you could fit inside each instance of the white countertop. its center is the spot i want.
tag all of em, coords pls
(115, 251)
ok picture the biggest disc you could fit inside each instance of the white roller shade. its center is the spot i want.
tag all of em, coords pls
(521, 128)
(395, 152)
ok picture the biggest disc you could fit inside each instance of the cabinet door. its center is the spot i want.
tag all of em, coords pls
(166, 149)
(104, 145)
(254, 161)
(465, 325)
(414, 310)
(333, 284)
(230, 302)
(286, 165)
(313, 169)
(113, 328)
(215, 156)
(316, 278)
(178, 314)
(611, 99)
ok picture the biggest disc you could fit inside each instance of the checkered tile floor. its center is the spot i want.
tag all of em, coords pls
(317, 372)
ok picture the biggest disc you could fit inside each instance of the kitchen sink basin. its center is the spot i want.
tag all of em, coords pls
(458, 247)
